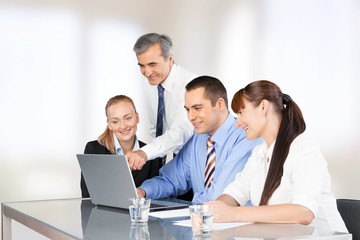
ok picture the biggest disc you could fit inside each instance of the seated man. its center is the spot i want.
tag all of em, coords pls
(207, 109)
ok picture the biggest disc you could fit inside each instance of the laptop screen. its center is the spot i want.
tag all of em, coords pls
(110, 182)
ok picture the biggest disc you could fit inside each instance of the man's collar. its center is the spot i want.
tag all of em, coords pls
(169, 81)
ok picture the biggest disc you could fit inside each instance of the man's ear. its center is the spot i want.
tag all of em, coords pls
(171, 59)
(221, 103)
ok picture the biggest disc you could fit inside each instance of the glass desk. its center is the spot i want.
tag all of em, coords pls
(80, 219)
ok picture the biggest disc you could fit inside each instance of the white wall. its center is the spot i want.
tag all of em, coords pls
(61, 60)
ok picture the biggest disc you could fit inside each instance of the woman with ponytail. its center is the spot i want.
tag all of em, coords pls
(120, 138)
(286, 178)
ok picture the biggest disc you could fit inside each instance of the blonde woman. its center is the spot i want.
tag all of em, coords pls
(120, 138)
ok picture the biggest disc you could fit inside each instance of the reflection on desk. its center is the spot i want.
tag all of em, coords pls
(111, 223)
(266, 231)
(80, 219)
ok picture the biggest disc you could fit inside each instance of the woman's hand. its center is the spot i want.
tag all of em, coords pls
(222, 212)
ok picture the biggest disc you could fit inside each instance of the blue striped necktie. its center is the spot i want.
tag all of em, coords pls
(210, 163)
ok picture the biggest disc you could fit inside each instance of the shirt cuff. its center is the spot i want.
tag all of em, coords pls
(147, 190)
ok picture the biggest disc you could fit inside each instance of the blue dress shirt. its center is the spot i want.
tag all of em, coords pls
(187, 169)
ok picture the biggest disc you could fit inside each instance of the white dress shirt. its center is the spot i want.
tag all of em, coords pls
(177, 128)
(305, 181)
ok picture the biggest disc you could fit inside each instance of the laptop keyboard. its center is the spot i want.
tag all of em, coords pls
(154, 205)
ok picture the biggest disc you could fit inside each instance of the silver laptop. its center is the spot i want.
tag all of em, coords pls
(110, 182)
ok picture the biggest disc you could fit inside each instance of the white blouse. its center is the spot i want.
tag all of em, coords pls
(305, 181)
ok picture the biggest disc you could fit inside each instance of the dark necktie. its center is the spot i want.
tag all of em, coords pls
(160, 112)
(210, 163)
(160, 118)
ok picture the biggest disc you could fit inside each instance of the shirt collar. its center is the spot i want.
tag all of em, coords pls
(270, 150)
(265, 151)
(118, 149)
(169, 81)
(218, 136)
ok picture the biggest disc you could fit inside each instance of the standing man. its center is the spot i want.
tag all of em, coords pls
(164, 93)
(215, 153)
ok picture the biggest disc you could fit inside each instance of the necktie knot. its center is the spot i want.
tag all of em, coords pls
(160, 89)
(210, 142)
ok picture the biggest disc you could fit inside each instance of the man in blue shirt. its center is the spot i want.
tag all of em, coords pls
(207, 109)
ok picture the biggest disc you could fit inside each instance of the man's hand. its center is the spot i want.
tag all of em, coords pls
(140, 192)
(137, 159)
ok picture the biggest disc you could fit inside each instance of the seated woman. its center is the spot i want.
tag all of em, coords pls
(120, 138)
(286, 178)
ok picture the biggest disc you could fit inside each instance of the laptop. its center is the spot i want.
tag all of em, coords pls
(110, 182)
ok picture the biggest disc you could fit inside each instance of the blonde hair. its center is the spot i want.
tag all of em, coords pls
(106, 138)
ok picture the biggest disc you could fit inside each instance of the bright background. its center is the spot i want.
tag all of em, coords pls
(61, 60)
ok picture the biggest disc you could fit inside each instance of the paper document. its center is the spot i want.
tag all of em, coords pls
(216, 226)
(184, 212)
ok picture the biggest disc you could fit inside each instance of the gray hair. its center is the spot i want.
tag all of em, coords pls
(146, 41)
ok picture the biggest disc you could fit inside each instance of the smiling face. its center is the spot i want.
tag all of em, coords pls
(153, 65)
(203, 116)
(252, 120)
(122, 120)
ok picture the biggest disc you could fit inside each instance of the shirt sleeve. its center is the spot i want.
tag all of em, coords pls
(173, 138)
(174, 177)
(309, 173)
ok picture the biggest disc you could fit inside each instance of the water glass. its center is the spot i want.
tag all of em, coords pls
(201, 220)
(139, 210)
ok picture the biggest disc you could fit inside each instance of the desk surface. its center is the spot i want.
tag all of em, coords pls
(80, 219)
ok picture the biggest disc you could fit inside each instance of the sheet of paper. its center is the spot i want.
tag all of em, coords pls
(216, 226)
(184, 212)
